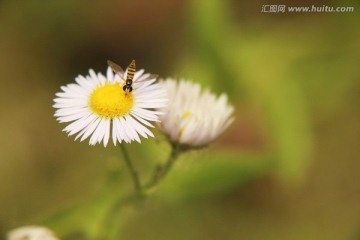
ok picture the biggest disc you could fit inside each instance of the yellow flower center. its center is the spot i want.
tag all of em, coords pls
(111, 101)
(186, 115)
(182, 129)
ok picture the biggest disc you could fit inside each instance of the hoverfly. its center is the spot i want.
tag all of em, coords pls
(129, 75)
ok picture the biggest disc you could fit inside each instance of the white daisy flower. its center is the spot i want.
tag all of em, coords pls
(194, 117)
(98, 107)
(31, 233)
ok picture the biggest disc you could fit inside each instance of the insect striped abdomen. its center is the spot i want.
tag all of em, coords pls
(130, 72)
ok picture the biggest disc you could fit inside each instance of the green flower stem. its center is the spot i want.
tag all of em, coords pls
(116, 217)
(162, 170)
(133, 172)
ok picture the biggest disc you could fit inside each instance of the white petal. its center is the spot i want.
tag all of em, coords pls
(89, 129)
(107, 131)
(79, 124)
(98, 133)
(121, 131)
(127, 134)
(114, 134)
(143, 131)
(143, 121)
(75, 116)
(132, 130)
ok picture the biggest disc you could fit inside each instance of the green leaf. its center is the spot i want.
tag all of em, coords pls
(88, 218)
(211, 175)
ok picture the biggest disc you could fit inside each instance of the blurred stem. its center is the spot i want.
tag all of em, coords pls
(162, 170)
(133, 172)
(116, 217)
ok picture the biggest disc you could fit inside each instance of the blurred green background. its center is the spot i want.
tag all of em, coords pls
(286, 169)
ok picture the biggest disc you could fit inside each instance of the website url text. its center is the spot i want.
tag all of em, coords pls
(308, 9)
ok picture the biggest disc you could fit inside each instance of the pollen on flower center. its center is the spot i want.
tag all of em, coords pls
(186, 115)
(111, 101)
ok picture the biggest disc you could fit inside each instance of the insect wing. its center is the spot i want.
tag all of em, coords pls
(117, 69)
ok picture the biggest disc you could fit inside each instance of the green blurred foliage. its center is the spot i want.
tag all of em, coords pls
(294, 81)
